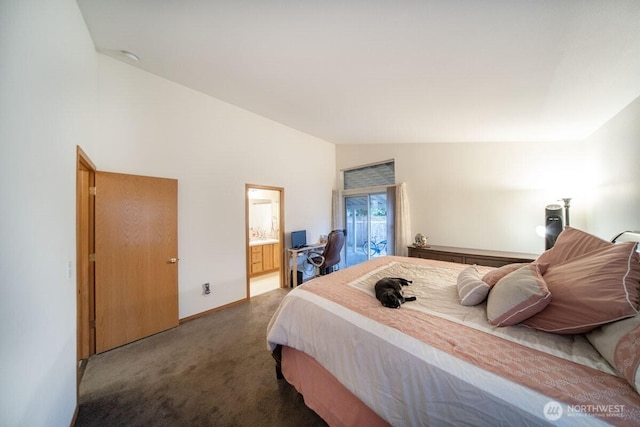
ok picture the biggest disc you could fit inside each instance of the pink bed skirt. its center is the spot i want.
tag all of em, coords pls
(324, 394)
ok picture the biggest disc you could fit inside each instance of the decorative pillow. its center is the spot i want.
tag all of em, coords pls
(619, 343)
(471, 289)
(492, 277)
(597, 288)
(572, 243)
(518, 296)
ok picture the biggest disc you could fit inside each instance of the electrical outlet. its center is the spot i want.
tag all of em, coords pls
(207, 289)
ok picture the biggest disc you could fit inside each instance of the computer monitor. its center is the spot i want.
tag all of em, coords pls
(298, 239)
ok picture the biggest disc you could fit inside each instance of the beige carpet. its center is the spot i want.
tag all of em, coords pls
(212, 371)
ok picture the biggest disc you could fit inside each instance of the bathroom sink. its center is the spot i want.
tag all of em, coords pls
(263, 242)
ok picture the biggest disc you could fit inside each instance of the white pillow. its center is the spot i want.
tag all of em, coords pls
(471, 289)
(518, 296)
(619, 343)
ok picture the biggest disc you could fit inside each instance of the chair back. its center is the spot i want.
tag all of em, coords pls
(331, 253)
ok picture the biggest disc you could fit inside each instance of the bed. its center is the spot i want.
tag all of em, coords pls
(530, 352)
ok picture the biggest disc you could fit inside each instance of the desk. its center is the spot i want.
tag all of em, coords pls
(292, 261)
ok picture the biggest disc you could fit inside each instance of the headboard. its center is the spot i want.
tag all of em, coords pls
(627, 236)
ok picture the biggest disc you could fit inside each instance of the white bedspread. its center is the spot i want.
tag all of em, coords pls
(437, 294)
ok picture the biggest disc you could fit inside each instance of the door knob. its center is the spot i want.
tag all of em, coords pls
(173, 260)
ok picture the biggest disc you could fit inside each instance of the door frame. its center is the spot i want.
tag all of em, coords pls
(85, 267)
(247, 252)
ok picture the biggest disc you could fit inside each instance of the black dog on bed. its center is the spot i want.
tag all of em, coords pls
(389, 291)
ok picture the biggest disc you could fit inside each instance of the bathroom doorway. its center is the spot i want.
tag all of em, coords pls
(264, 219)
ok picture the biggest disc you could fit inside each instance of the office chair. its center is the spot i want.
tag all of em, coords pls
(330, 257)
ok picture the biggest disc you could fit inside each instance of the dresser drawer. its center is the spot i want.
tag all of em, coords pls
(443, 257)
(489, 262)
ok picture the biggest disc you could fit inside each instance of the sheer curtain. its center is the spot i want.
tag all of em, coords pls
(402, 221)
(337, 218)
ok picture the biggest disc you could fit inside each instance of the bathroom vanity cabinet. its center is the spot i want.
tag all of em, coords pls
(265, 258)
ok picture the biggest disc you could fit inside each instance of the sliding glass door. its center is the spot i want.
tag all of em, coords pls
(367, 227)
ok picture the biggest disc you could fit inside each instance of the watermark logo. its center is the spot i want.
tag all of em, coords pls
(553, 411)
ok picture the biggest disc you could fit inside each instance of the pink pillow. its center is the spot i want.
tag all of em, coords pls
(518, 296)
(492, 277)
(572, 243)
(471, 289)
(599, 287)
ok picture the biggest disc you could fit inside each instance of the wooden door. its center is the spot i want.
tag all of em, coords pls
(136, 237)
(267, 257)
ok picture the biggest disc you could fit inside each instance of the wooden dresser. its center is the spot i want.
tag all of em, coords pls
(470, 256)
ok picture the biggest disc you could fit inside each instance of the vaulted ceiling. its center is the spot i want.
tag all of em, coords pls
(379, 71)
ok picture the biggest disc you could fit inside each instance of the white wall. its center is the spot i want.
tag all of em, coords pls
(615, 165)
(47, 86)
(150, 126)
(492, 195)
(488, 195)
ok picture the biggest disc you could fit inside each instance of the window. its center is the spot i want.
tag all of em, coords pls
(381, 174)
